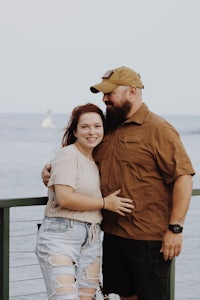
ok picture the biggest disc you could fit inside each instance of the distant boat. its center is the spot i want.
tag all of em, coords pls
(48, 122)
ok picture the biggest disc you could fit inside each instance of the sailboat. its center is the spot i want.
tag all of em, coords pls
(47, 121)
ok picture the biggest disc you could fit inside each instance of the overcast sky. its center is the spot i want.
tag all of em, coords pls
(51, 51)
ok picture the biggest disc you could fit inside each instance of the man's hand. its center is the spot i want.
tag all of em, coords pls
(171, 245)
(46, 174)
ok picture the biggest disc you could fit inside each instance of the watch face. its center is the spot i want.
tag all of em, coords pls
(176, 228)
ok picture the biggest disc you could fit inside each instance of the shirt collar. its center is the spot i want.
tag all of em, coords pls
(139, 116)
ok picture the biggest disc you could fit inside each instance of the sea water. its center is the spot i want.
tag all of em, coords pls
(26, 146)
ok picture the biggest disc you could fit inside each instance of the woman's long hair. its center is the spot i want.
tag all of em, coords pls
(68, 137)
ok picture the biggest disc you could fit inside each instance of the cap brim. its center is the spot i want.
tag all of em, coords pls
(104, 87)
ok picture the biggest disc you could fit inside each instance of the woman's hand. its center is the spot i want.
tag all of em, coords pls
(117, 204)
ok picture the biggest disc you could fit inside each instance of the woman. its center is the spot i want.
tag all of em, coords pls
(69, 241)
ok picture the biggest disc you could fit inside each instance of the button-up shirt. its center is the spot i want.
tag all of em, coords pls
(143, 157)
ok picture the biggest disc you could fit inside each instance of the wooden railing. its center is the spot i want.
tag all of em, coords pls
(5, 205)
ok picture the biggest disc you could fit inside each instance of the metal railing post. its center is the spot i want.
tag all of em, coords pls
(4, 253)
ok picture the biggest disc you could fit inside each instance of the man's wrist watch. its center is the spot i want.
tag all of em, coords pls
(175, 228)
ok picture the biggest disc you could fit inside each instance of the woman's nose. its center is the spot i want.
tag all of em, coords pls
(91, 130)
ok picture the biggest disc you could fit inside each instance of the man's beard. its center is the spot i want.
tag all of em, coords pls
(115, 116)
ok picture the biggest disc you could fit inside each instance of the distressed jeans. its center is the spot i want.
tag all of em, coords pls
(69, 253)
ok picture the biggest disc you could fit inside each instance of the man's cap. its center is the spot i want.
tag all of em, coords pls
(117, 77)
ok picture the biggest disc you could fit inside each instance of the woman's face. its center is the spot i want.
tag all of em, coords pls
(89, 132)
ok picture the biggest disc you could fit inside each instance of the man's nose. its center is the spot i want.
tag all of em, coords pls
(105, 98)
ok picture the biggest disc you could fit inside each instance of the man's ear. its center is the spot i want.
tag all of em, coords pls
(133, 89)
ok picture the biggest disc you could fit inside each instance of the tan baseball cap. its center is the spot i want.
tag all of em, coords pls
(117, 77)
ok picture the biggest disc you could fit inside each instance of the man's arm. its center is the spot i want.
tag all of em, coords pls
(182, 191)
(46, 172)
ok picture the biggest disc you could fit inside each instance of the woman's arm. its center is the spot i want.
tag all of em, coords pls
(68, 198)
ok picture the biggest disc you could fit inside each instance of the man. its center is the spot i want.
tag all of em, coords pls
(141, 154)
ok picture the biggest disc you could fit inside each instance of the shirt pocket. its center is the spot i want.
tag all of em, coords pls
(130, 147)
